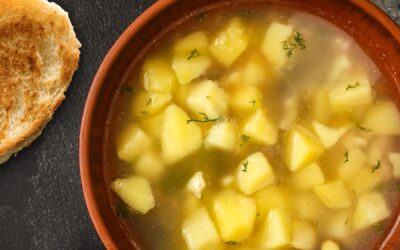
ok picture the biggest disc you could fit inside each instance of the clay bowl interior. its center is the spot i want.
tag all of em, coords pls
(370, 27)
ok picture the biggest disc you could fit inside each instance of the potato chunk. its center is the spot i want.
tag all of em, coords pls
(338, 225)
(196, 40)
(351, 93)
(230, 43)
(333, 195)
(196, 184)
(178, 138)
(366, 180)
(353, 162)
(149, 165)
(207, 97)
(254, 73)
(276, 230)
(328, 135)
(188, 68)
(136, 192)
(321, 109)
(301, 148)
(158, 76)
(235, 215)
(145, 103)
(271, 197)
(132, 142)
(254, 173)
(304, 236)
(308, 177)
(272, 45)
(370, 209)
(246, 98)
(329, 245)
(260, 128)
(307, 206)
(222, 136)
(199, 231)
(382, 118)
(394, 159)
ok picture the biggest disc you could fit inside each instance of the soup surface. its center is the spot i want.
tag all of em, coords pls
(255, 129)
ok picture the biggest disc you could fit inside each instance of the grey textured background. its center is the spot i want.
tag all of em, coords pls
(41, 204)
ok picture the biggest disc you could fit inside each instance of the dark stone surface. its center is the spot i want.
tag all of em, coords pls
(41, 204)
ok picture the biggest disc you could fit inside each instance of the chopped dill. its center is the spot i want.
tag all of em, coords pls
(378, 227)
(376, 166)
(245, 164)
(231, 242)
(346, 156)
(253, 102)
(194, 53)
(297, 42)
(353, 86)
(363, 128)
(149, 102)
(205, 118)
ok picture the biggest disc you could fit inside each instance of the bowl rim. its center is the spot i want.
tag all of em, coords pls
(143, 19)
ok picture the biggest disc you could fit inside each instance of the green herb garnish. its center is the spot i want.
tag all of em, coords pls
(297, 42)
(347, 221)
(245, 139)
(125, 90)
(145, 113)
(245, 164)
(253, 102)
(149, 102)
(204, 119)
(353, 86)
(346, 156)
(194, 53)
(231, 242)
(363, 128)
(376, 166)
(207, 97)
(378, 227)
(258, 214)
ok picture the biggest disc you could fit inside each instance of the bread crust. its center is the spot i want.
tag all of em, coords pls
(39, 53)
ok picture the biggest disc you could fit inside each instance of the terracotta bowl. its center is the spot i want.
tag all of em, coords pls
(369, 26)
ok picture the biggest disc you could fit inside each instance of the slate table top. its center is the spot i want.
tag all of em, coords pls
(41, 204)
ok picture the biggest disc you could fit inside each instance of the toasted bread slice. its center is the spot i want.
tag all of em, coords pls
(39, 53)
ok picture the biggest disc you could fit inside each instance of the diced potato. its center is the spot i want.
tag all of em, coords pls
(272, 45)
(227, 180)
(222, 136)
(178, 138)
(333, 195)
(191, 203)
(207, 97)
(276, 230)
(235, 215)
(308, 177)
(304, 236)
(260, 128)
(136, 192)
(254, 173)
(246, 98)
(366, 180)
(230, 43)
(394, 159)
(149, 165)
(301, 148)
(271, 197)
(328, 135)
(254, 74)
(153, 124)
(196, 184)
(337, 225)
(158, 76)
(145, 103)
(329, 245)
(351, 94)
(290, 112)
(199, 231)
(382, 118)
(321, 109)
(352, 164)
(132, 142)
(307, 206)
(340, 67)
(189, 68)
(194, 41)
(370, 209)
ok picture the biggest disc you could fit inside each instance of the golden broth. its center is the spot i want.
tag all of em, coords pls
(267, 118)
